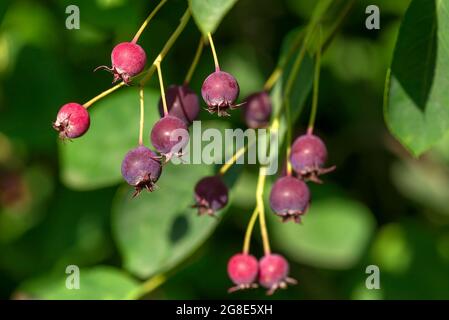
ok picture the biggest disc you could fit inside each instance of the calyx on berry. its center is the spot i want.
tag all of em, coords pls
(273, 273)
(182, 102)
(168, 133)
(257, 110)
(220, 90)
(211, 195)
(72, 121)
(243, 270)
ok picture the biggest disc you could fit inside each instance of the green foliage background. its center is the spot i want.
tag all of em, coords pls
(65, 204)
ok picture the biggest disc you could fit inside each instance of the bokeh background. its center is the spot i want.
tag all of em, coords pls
(381, 206)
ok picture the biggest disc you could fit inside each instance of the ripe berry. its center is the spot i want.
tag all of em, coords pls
(243, 269)
(182, 102)
(211, 194)
(220, 90)
(72, 121)
(167, 133)
(308, 156)
(257, 110)
(273, 273)
(128, 60)
(141, 169)
(289, 198)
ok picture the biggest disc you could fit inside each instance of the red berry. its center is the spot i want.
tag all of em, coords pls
(243, 269)
(128, 60)
(72, 121)
(211, 195)
(308, 156)
(220, 90)
(167, 133)
(182, 102)
(273, 273)
(257, 110)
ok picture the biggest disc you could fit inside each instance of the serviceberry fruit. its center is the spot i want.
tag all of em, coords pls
(242, 270)
(182, 102)
(273, 273)
(257, 110)
(220, 90)
(72, 121)
(167, 133)
(308, 156)
(141, 169)
(128, 60)
(289, 198)
(211, 194)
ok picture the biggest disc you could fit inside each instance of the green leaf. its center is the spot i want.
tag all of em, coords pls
(99, 283)
(334, 234)
(209, 13)
(94, 160)
(416, 101)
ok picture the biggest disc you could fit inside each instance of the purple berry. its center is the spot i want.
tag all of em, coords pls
(182, 103)
(211, 194)
(289, 198)
(220, 90)
(167, 133)
(257, 110)
(242, 270)
(72, 121)
(128, 60)
(273, 273)
(308, 156)
(141, 169)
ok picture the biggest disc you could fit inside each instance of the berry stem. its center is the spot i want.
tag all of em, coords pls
(148, 286)
(288, 119)
(230, 162)
(147, 20)
(103, 94)
(214, 53)
(142, 113)
(316, 83)
(261, 209)
(249, 231)
(161, 84)
(195, 61)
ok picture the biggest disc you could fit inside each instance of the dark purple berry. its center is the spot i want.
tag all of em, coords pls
(273, 273)
(257, 110)
(72, 121)
(308, 156)
(182, 102)
(141, 169)
(128, 60)
(220, 90)
(242, 270)
(167, 133)
(289, 198)
(211, 194)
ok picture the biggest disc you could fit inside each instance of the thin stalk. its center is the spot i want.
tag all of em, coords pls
(316, 83)
(161, 84)
(261, 209)
(214, 53)
(142, 116)
(147, 20)
(195, 61)
(249, 231)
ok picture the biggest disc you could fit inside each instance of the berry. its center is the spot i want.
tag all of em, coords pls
(308, 156)
(243, 269)
(141, 169)
(211, 194)
(72, 121)
(257, 110)
(182, 102)
(289, 198)
(273, 273)
(167, 133)
(220, 90)
(128, 60)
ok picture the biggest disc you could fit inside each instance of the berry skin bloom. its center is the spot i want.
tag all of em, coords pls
(289, 198)
(220, 90)
(182, 103)
(273, 273)
(141, 169)
(308, 156)
(168, 133)
(257, 110)
(128, 60)
(242, 270)
(72, 121)
(211, 195)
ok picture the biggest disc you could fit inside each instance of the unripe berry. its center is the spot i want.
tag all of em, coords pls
(72, 121)
(308, 156)
(211, 195)
(273, 273)
(220, 90)
(242, 270)
(168, 133)
(128, 60)
(257, 110)
(289, 198)
(182, 102)
(141, 169)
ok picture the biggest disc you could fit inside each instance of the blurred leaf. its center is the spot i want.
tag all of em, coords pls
(416, 101)
(209, 13)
